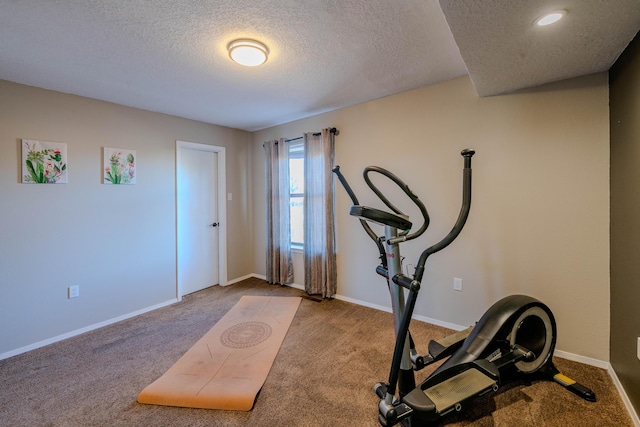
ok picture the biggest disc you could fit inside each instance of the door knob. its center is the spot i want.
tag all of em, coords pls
(215, 224)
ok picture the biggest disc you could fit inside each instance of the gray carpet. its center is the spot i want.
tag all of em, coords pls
(323, 375)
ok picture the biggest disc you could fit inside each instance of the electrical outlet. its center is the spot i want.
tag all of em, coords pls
(74, 291)
(410, 269)
(457, 284)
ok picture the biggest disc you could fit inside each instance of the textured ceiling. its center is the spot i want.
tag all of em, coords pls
(170, 56)
(504, 50)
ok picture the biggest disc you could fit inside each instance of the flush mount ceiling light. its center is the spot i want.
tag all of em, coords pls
(550, 18)
(248, 52)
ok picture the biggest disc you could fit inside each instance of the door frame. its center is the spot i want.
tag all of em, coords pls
(222, 208)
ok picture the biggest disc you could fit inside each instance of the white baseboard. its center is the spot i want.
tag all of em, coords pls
(417, 317)
(582, 359)
(623, 395)
(240, 279)
(55, 339)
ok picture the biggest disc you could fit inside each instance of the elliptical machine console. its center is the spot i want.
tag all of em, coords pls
(517, 334)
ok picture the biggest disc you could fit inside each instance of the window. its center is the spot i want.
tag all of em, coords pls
(296, 194)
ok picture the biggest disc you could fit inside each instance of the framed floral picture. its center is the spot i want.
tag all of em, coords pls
(44, 162)
(119, 166)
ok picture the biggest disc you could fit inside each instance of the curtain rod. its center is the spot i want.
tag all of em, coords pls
(332, 130)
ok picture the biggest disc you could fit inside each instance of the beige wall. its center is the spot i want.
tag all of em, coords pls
(117, 243)
(538, 224)
(539, 221)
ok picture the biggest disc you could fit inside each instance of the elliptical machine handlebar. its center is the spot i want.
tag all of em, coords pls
(446, 241)
(405, 188)
(462, 217)
(345, 184)
(367, 228)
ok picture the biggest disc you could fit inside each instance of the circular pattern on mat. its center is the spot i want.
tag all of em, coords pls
(246, 334)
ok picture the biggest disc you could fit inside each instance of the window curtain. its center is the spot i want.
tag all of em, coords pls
(279, 261)
(320, 276)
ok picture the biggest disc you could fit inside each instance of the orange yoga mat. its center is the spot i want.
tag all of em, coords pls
(227, 367)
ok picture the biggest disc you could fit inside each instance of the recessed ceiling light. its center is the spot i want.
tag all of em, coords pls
(550, 18)
(248, 52)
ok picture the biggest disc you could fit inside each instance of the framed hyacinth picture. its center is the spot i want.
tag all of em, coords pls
(44, 162)
(119, 166)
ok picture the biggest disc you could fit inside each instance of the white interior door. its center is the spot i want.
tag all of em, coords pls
(199, 217)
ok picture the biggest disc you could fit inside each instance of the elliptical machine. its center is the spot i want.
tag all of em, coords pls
(516, 335)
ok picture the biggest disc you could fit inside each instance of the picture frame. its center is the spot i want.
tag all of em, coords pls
(119, 166)
(44, 162)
